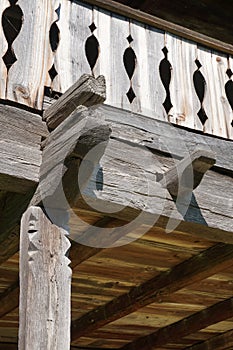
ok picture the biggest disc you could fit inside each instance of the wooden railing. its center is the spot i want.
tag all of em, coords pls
(50, 44)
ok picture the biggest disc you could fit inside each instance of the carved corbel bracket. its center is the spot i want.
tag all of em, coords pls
(187, 174)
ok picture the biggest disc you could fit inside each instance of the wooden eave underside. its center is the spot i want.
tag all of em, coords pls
(169, 290)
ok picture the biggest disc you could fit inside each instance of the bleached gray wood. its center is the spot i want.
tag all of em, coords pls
(26, 78)
(163, 137)
(64, 148)
(182, 54)
(3, 49)
(187, 174)
(20, 154)
(45, 284)
(222, 121)
(87, 91)
(119, 79)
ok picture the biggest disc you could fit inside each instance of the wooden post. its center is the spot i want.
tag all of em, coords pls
(45, 284)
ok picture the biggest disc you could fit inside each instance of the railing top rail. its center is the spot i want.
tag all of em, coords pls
(159, 23)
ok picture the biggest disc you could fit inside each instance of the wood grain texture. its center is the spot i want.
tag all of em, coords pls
(178, 179)
(206, 264)
(21, 134)
(171, 333)
(87, 91)
(45, 284)
(64, 149)
(3, 49)
(161, 24)
(218, 342)
(26, 78)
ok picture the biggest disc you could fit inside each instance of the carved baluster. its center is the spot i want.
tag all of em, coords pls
(165, 68)
(229, 88)
(130, 60)
(200, 88)
(92, 47)
(12, 20)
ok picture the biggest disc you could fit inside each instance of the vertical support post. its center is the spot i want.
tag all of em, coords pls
(45, 284)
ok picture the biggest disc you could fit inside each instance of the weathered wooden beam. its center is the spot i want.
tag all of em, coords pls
(188, 272)
(218, 342)
(45, 284)
(130, 168)
(176, 331)
(187, 174)
(20, 155)
(159, 23)
(87, 91)
(63, 149)
(166, 138)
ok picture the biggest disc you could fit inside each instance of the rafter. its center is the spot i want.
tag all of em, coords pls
(194, 323)
(219, 342)
(188, 272)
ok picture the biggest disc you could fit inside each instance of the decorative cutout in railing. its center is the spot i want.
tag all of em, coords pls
(165, 74)
(92, 48)
(130, 59)
(200, 88)
(12, 20)
(229, 89)
(52, 46)
(54, 38)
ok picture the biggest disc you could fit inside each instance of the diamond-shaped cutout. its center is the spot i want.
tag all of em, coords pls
(165, 50)
(131, 95)
(232, 123)
(92, 27)
(198, 64)
(130, 39)
(229, 73)
(52, 72)
(202, 116)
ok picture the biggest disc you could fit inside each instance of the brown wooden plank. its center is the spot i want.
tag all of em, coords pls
(174, 332)
(195, 269)
(9, 300)
(159, 23)
(218, 342)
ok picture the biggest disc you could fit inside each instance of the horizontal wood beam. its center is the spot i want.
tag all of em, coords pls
(87, 91)
(20, 155)
(192, 324)
(166, 138)
(218, 342)
(188, 272)
(159, 23)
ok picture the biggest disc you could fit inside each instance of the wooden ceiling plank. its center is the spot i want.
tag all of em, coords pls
(174, 332)
(219, 342)
(188, 272)
(78, 254)
(116, 7)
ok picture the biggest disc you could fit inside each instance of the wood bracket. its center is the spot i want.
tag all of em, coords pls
(187, 174)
